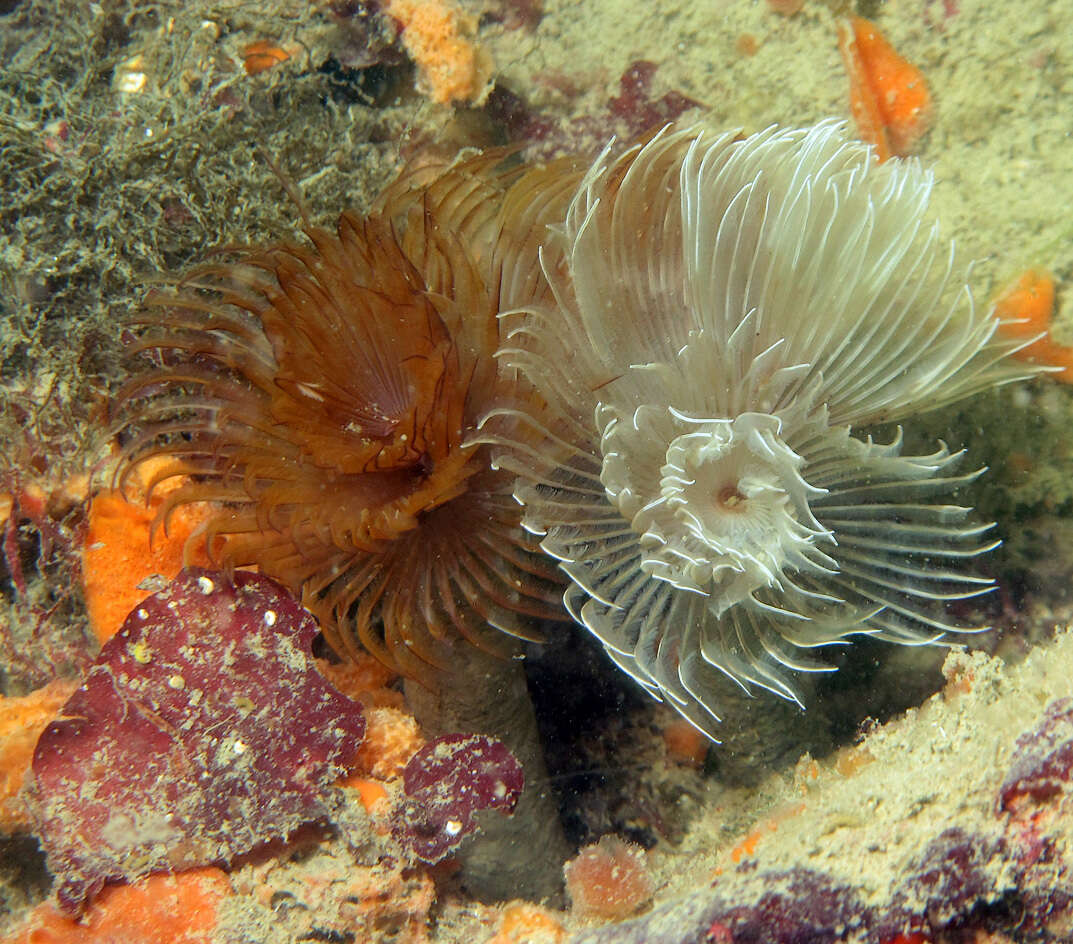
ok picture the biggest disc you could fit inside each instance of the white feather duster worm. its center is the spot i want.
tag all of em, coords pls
(727, 310)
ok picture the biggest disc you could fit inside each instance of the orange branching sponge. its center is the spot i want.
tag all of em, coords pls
(1025, 308)
(889, 97)
(178, 908)
(608, 880)
(526, 923)
(123, 547)
(440, 39)
(22, 720)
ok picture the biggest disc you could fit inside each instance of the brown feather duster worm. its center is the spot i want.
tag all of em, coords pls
(728, 313)
(323, 397)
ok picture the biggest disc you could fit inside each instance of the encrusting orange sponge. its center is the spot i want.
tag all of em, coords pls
(888, 97)
(439, 38)
(525, 923)
(1025, 308)
(392, 737)
(22, 719)
(122, 548)
(159, 909)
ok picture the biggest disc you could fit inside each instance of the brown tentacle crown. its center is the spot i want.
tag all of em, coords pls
(322, 399)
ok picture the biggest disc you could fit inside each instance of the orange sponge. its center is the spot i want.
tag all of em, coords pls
(159, 909)
(525, 923)
(888, 97)
(22, 720)
(440, 39)
(119, 554)
(392, 737)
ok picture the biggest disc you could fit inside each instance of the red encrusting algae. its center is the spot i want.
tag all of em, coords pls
(202, 730)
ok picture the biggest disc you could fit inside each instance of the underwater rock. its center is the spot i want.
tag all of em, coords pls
(1042, 760)
(797, 906)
